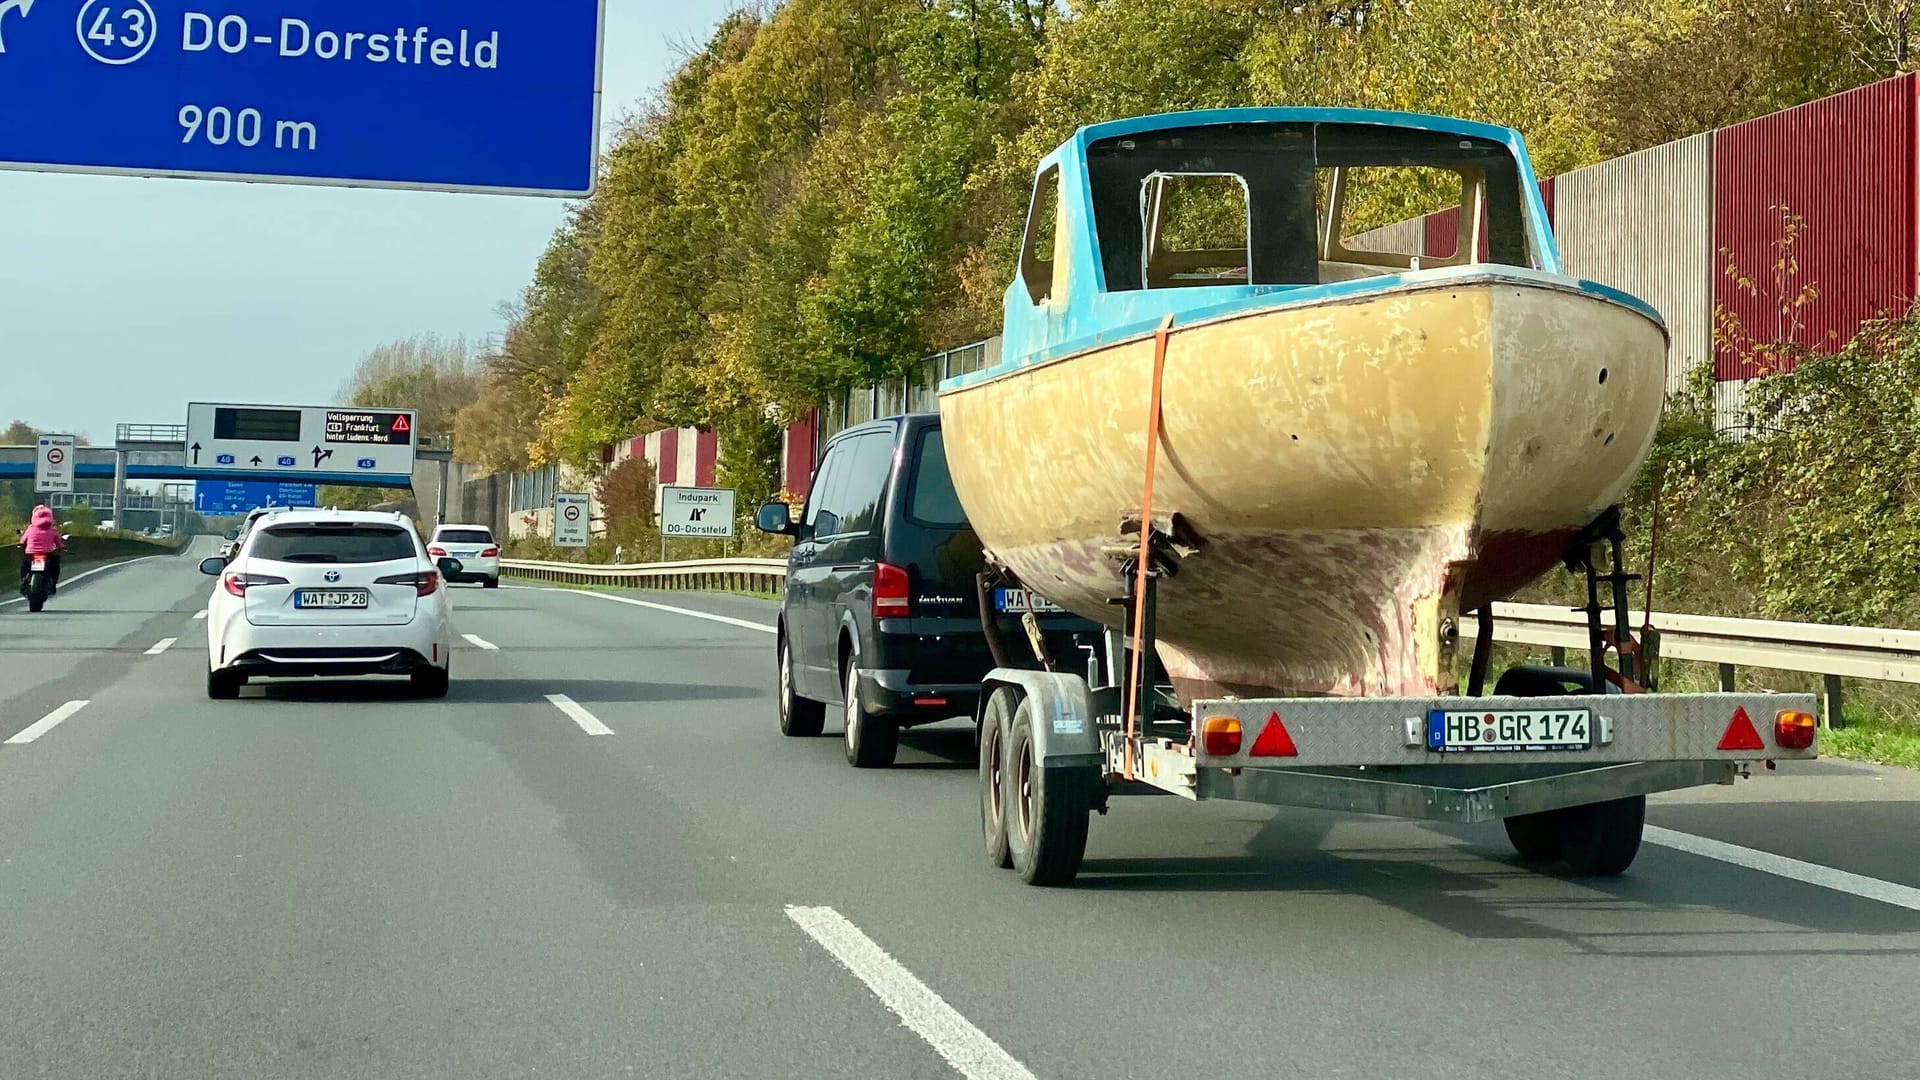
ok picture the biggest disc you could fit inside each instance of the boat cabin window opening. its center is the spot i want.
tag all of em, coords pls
(1280, 169)
(1196, 230)
(1368, 216)
(1036, 250)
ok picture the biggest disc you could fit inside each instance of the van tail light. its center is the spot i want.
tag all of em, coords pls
(490, 553)
(424, 583)
(1220, 736)
(437, 551)
(890, 597)
(238, 584)
(1793, 730)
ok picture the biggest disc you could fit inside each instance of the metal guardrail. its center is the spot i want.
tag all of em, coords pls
(743, 575)
(1857, 652)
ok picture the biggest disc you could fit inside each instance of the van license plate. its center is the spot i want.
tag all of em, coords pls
(1020, 600)
(1510, 729)
(330, 598)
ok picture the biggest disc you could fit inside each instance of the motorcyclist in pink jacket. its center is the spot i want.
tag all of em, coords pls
(42, 537)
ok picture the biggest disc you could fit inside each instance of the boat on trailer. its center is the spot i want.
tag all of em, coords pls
(1357, 444)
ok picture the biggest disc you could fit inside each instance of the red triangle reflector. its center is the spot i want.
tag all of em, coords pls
(1274, 740)
(400, 424)
(1740, 733)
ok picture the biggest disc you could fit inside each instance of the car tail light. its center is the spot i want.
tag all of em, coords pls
(1793, 730)
(238, 584)
(424, 583)
(890, 597)
(1220, 736)
(437, 551)
(492, 552)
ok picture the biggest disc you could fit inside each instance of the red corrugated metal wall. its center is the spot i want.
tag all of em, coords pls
(669, 466)
(796, 463)
(706, 458)
(1443, 226)
(1845, 164)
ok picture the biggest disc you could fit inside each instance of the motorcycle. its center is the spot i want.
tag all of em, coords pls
(38, 584)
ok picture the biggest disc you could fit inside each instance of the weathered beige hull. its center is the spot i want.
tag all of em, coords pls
(1360, 472)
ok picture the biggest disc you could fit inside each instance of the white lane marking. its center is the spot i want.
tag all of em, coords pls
(965, 1047)
(482, 643)
(84, 574)
(1766, 862)
(201, 614)
(689, 612)
(46, 723)
(161, 646)
(588, 722)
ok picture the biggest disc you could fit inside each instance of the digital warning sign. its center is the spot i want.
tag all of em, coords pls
(387, 428)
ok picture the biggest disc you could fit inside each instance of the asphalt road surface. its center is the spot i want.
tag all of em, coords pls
(598, 858)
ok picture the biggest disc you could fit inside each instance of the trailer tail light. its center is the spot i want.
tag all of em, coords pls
(1274, 740)
(1740, 733)
(1220, 736)
(1793, 730)
(890, 596)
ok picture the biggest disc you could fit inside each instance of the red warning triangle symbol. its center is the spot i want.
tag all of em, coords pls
(1740, 733)
(1274, 740)
(400, 424)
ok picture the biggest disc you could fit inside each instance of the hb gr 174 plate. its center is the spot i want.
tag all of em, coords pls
(1509, 729)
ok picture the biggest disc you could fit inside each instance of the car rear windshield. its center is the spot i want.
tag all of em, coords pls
(463, 536)
(933, 501)
(333, 544)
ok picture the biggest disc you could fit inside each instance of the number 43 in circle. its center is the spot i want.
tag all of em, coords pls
(115, 31)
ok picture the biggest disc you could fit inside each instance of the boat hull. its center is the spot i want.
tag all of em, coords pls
(1358, 472)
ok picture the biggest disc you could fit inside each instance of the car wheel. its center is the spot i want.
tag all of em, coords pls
(432, 682)
(222, 685)
(493, 582)
(800, 718)
(872, 741)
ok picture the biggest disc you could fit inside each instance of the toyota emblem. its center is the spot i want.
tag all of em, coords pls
(333, 575)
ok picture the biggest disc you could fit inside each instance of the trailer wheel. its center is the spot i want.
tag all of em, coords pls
(1535, 836)
(1601, 839)
(994, 722)
(1046, 809)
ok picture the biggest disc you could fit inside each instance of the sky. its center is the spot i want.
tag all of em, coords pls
(122, 299)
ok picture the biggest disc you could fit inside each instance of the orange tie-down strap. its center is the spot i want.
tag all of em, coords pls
(1136, 670)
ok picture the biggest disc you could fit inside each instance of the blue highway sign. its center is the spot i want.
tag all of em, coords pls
(443, 95)
(240, 496)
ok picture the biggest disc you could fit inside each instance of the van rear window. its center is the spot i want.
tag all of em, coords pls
(933, 501)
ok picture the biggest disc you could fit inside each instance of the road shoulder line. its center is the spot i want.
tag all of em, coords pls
(689, 612)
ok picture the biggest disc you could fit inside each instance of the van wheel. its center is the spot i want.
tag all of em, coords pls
(800, 718)
(1047, 809)
(872, 741)
(994, 723)
(222, 685)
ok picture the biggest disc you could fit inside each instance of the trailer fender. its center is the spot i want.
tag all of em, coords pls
(1064, 732)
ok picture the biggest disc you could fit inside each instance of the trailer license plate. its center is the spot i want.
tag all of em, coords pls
(1510, 729)
(330, 598)
(1019, 600)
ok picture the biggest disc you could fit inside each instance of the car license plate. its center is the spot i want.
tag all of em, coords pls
(1509, 729)
(1019, 600)
(330, 598)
